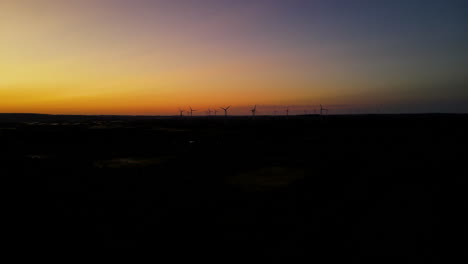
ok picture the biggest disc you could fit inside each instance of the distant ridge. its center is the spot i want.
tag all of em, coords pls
(29, 117)
(23, 117)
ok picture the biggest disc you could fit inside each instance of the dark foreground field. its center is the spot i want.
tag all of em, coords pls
(342, 187)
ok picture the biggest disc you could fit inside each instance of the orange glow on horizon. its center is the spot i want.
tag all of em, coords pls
(152, 57)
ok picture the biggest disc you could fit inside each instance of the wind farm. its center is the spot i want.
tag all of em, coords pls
(265, 111)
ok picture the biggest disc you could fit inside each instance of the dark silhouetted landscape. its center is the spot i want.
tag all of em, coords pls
(348, 187)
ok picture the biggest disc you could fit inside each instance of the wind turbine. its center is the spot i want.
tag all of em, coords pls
(215, 111)
(254, 111)
(225, 110)
(209, 111)
(181, 111)
(323, 110)
(191, 111)
(287, 111)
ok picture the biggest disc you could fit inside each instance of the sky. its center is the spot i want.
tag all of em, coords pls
(144, 57)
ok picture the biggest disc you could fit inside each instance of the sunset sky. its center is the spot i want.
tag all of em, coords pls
(152, 57)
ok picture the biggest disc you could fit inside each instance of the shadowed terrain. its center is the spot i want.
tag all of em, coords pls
(345, 186)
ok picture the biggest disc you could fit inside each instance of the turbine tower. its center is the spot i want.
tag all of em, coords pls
(225, 110)
(254, 111)
(323, 110)
(191, 111)
(209, 111)
(181, 111)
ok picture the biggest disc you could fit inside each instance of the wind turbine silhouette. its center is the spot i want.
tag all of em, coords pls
(209, 111)
(225, 110)
(181, 112)
(215, 111)
(254, 111)
(191, 111)
(287, 111)
(323, 110)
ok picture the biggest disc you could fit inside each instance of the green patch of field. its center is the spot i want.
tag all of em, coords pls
(267, 178)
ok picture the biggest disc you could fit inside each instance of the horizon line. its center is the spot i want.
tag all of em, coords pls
(222, 116)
